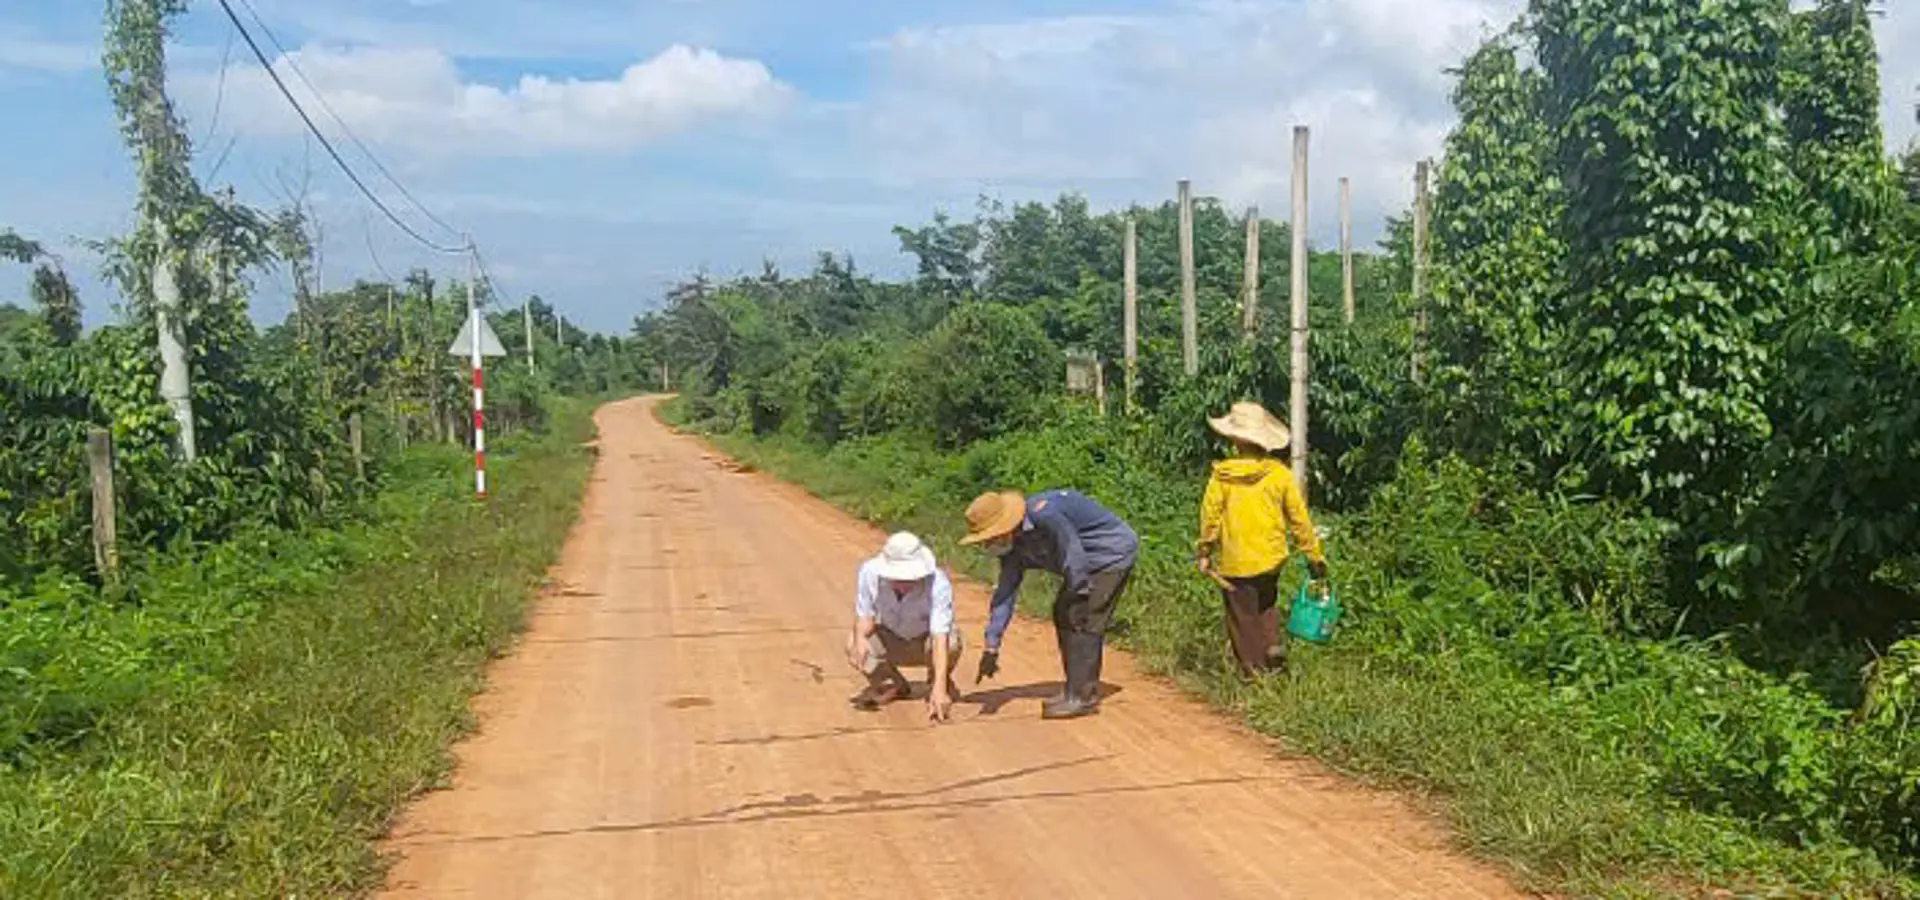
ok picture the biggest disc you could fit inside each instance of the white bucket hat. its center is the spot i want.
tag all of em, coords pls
(905, 558)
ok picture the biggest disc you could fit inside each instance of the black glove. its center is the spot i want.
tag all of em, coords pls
(989, 665)
(1318, 569)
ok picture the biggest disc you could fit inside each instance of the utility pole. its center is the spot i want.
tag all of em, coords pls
(1250, 291)
(1297, 418)
(1189, 305)
(1420, 175)
(1130, 268)
(1346, 247)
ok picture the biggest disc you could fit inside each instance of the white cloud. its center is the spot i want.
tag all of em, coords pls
(417, 99)
(1121, 106)
(1418, 39)
(24, 49)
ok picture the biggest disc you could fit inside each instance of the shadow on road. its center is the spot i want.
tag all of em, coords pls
(990, 702)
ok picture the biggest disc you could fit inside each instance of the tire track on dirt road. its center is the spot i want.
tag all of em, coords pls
(674, 726)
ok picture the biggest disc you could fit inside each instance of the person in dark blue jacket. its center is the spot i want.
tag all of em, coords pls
(1093, 552)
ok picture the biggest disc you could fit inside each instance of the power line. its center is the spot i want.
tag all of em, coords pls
(486, 277)
(328, 145)
(220, 91)
(367, 227)
(294, 66)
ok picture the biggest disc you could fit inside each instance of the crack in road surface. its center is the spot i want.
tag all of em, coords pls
(707, 757)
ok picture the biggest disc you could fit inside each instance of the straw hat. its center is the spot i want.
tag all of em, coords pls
(905, 558)
(994, 515)
(1250, 422)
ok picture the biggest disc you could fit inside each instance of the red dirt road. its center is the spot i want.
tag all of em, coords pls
(675, 726)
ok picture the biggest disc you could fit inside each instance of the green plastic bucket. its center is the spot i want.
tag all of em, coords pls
(1313, 615)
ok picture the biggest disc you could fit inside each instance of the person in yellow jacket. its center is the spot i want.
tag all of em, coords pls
(1250, 507)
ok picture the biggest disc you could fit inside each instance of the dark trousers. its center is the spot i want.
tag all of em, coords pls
(1081, 622)
(1253, 622)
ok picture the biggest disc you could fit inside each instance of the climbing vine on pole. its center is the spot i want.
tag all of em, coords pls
(1665, 146)
(135, 60)
(1830, 86)
(1496, 289)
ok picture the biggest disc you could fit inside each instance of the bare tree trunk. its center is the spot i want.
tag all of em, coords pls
(1250, 290)
(1420, 174)
(1300, 360)
(1346, 248)
(1130, 266)
(1189, 305)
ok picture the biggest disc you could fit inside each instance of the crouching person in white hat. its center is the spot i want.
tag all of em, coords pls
(903, 616)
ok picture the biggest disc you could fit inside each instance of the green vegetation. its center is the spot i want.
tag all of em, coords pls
(251, 724)
(288, 644)
(1632, 572)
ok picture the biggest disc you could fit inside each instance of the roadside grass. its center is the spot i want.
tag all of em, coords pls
(1568, 784)
(266, 707)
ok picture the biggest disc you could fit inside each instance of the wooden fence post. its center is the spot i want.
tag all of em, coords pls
(106, 542)
(355, 438)
(1130, 269)
(1420, 175)
(1100, 384)
(1346, 247)
(1189, 304)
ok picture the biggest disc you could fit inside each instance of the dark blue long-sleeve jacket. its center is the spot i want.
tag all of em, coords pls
(1065, 533)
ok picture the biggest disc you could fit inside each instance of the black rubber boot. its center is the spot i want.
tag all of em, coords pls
(1097, 655)
(1083, 679)
(1061, 637)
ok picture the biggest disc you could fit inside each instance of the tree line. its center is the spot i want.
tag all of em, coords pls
(215, 422)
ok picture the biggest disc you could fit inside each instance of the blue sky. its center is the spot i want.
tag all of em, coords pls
(600, 150)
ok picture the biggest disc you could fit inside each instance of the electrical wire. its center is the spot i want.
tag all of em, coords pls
(367, 227)
(294, 67)
(219, 92)
(480, 265)
(352, 176)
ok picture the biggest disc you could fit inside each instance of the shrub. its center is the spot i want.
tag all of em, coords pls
(983, 369)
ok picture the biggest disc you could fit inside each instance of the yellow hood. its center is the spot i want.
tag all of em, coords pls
(1246, 470)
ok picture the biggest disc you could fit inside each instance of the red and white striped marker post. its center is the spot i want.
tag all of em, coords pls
(479, 402)
(476, 342)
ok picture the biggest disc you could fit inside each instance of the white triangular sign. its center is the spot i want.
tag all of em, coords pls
(489, 343)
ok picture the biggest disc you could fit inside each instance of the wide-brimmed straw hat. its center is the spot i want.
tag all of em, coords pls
(1250, 422)
(994, 515)
(905, 558)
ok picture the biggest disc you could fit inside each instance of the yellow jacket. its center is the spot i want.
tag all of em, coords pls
(1249, 506)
